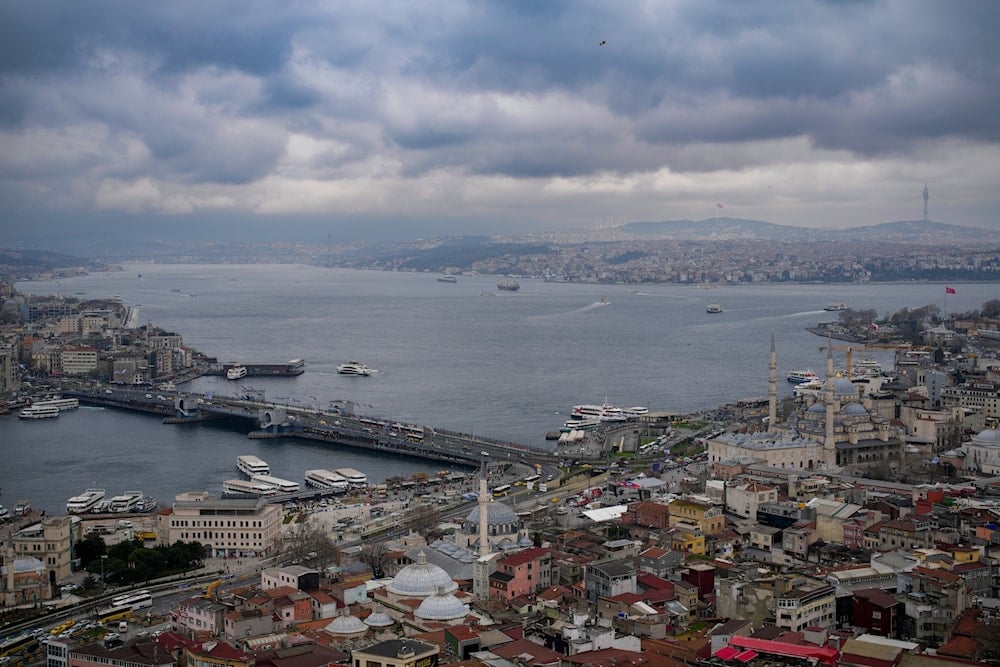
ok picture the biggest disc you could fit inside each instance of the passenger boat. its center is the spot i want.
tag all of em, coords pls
(282, 485)
(236, 373)
(581, 424)
(59, 402)
(353, 477)
(713, 308)
(354, 367)
(447, 279)
(834, 306)
(798, 377)
(85, 502)
(604, 412)
(866, 368)
(636, 411)
(250, 465)
(508, 286)
(810, 388)
(129, 501)
(39, 412)
(248, 487)
(326, 479)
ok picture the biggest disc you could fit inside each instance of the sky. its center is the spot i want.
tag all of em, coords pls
(402, 120)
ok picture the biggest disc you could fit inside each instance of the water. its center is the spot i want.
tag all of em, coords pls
(461, 356)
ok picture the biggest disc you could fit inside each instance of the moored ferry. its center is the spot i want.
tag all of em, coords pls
(604, 412)
(326, 479)
(353, 477)
(59, 402)
(39, 412)
(250, 465)
(236, 373)
(282, 485)
(85, 502)
(248, 487)
(129, 501)
(798, 377)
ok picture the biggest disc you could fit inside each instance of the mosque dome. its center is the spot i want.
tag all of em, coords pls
(496, 514)
(817, 408)
(441, 607)
(346, 625)
(421, 579)
(989, 436)
(855, 410)
(844, 387)
(379, 619)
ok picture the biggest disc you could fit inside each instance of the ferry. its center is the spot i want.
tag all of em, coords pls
(236, 373)
(282, 485)
(834, 306)
(250, 465)
(798, 377)
(39, 412)
(605, 412)
(130, 501)
(59, 402)
(248, 487)
(508, 286)
(714, 308)
(353, 477)
(354, 367)
(447, 279)
(810, 388)
(636, 411)
(580, 424)
(85, 502)
(326, 479)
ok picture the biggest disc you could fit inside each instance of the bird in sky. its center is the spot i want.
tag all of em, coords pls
(603, 42)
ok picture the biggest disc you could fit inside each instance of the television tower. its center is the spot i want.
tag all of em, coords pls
(926, 197)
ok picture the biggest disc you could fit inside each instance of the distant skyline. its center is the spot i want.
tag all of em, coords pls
(402, 120)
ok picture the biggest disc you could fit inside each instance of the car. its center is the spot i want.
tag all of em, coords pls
(149, 396)
(108, 391)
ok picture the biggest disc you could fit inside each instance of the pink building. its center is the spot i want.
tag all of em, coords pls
(521, 573)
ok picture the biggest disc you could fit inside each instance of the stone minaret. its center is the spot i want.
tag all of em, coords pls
(828, 442)
(484, 546)
(772, 388)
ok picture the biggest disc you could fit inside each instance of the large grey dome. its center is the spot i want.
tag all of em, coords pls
(441, 607)
(817, 409)
(379, 619)
(421, 579)
(346, 625)
(844, 387)
(989, 435)
(496, 514)
(855, 410)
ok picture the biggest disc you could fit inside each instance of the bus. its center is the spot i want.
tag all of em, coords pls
(501, 490)
(140, 596)
(18, 645)
(112, 614)
(532, 478)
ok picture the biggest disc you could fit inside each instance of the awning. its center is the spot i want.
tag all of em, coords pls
(747, 656)
(727, 653)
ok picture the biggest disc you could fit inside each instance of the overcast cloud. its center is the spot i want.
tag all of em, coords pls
(421, 118)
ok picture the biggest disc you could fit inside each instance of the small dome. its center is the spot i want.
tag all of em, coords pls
(421, 579)
(346, 625)
(817, 408)
(379, 619)
(441, 607)
(988, 436)
(855, 410)
(844, 387)
(496, 514)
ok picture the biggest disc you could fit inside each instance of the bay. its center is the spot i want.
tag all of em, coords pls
(462, 356)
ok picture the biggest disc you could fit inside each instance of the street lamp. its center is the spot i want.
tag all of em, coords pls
(104, 583)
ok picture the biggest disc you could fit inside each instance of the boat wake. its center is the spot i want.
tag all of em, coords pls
(91, 407)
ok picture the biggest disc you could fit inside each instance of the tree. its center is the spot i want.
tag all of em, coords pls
(307, 543)
(991, 308)
(90, 548)
(376, 556)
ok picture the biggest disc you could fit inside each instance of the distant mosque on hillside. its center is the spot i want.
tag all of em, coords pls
(834, 432)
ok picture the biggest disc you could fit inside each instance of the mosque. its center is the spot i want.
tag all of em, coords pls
(833, 431)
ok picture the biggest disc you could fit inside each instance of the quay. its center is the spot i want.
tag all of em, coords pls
(256, 369)
(334, 426)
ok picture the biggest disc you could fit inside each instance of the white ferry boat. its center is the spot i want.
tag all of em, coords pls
(714, 308)
(798, 377)
(326, 479)
(250, 465)
(85, 502)
(39, 412)
(130, 501)
(604, 412)
(248, 487)
(834, 306)
(282, 485)
(580, 424)
(810, 388)
(236, 372)
(59, 402)
(635, 411)
(354, 367)
(353, 477)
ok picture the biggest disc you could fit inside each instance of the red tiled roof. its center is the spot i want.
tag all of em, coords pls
(960, 647)
(522, 557)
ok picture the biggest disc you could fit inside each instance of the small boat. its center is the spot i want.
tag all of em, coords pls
(798, 377)
(713, 308)
(39, 412)
(447, 279)
(834, 306)
(354, 367)
(236, 372)
(508, 286)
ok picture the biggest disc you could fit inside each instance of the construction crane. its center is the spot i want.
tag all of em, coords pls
(849, 349)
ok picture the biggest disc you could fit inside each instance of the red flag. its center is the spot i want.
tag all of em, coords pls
(873, 326)
(718, 205)
(949, 290)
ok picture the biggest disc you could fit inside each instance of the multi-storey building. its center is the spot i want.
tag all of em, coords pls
(397, 653)
(608, 579)
(983, 397)
(51, 541)
(808, 604)
(707, 517)
(226, 526)
(744, 499)
(521, 573)
(79, 360)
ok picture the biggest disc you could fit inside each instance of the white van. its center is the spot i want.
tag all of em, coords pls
(122, 626)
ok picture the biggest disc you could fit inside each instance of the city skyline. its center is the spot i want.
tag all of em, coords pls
(379, 121)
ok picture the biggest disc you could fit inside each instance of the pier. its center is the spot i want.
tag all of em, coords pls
(335, 426)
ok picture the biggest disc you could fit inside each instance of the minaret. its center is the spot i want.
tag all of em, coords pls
(772, 388)
(927, 195)
(484, 546)
(829, 443)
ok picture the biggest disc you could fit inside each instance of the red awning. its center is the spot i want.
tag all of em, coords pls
(727, 653)
(747, 656)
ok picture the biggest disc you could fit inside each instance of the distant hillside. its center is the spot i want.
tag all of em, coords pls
(32, 260)
(912, 231)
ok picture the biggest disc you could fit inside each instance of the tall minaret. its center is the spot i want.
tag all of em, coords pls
(927, 196)
(772, 387)
(829, 443)
(484, 545)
